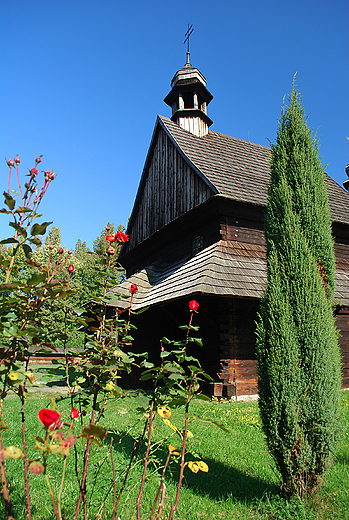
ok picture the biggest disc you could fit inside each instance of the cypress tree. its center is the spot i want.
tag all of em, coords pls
(297, 341)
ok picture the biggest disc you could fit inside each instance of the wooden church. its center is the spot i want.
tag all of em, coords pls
(196, 232)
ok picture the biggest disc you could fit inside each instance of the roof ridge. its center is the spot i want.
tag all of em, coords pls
(213, 132)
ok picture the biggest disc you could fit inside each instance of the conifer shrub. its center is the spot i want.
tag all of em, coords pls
(297, 341)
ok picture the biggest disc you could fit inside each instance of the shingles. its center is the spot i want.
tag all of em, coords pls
(226, 268)
(240, 169)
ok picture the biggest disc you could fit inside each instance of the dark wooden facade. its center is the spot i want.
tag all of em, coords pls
(196, 231)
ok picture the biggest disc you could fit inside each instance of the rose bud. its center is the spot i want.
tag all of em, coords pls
(70, 252)
(17, 160)
(193, 305)
(38, 159)
(33, 172)
(11, 163)
(74, 413)
(50, 246)
(60, 251)
(71, 268)
(134, 288)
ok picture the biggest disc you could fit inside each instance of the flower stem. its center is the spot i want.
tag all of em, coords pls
(5, 490)
(184, 443)
(26, 479)
(146, 460)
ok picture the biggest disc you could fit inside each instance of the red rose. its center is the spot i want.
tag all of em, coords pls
(48, 417)
(17, 160)
(193, 305)
(60, 251)
(74, 413)
(111, 237)
(121, 237)
(71, 268)
(34, 172)
(38, 159)
(134, 288)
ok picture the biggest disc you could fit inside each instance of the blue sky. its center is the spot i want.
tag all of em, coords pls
(83, 82)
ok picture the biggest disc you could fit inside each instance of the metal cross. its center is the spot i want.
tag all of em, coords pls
(188, 33)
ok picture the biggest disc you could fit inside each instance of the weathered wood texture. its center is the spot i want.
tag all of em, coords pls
(342, 322)
(170, 187)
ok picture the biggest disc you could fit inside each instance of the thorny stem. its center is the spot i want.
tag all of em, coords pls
(184, 443)
(8, 182)
(55, 510)
(114, 479)
(82, 494)
(188, 329)
(19, 184)
(160, 486)
(5, 490)
(146, 460)
(59, 496)
(135, 449)
(26, 479)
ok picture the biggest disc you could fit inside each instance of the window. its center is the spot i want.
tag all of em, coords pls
(198, 244)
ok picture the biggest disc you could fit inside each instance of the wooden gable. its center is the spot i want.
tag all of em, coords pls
(170, 186)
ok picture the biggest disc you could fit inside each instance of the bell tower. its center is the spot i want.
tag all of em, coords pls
(189, 98)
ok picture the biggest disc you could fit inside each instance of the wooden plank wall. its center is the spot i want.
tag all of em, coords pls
(342, 322)
(237, 344)
(170, 189)
(242, 230)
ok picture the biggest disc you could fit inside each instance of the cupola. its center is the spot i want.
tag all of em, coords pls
(188, 99)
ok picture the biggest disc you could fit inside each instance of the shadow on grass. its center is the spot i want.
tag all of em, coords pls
(221, 482)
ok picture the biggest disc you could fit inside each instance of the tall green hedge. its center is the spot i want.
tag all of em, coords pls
(297, 341)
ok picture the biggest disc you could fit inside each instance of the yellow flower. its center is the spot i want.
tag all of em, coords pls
(164, 412)
(172, 450)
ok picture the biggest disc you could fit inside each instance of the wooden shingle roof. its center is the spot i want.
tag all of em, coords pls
(240, 169)
(226, 268)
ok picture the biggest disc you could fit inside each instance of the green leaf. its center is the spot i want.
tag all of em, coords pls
(27, 250)
(23, 209)
(36, 241)
(39, 229)
(8, 286)
(9, 201)
(12, 452)
(91, 430)
(58, 450)
(19, 229)
(36, 278)
(189, 327)
(9, 241)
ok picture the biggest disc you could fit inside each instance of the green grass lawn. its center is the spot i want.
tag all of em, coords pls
(241, 483)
